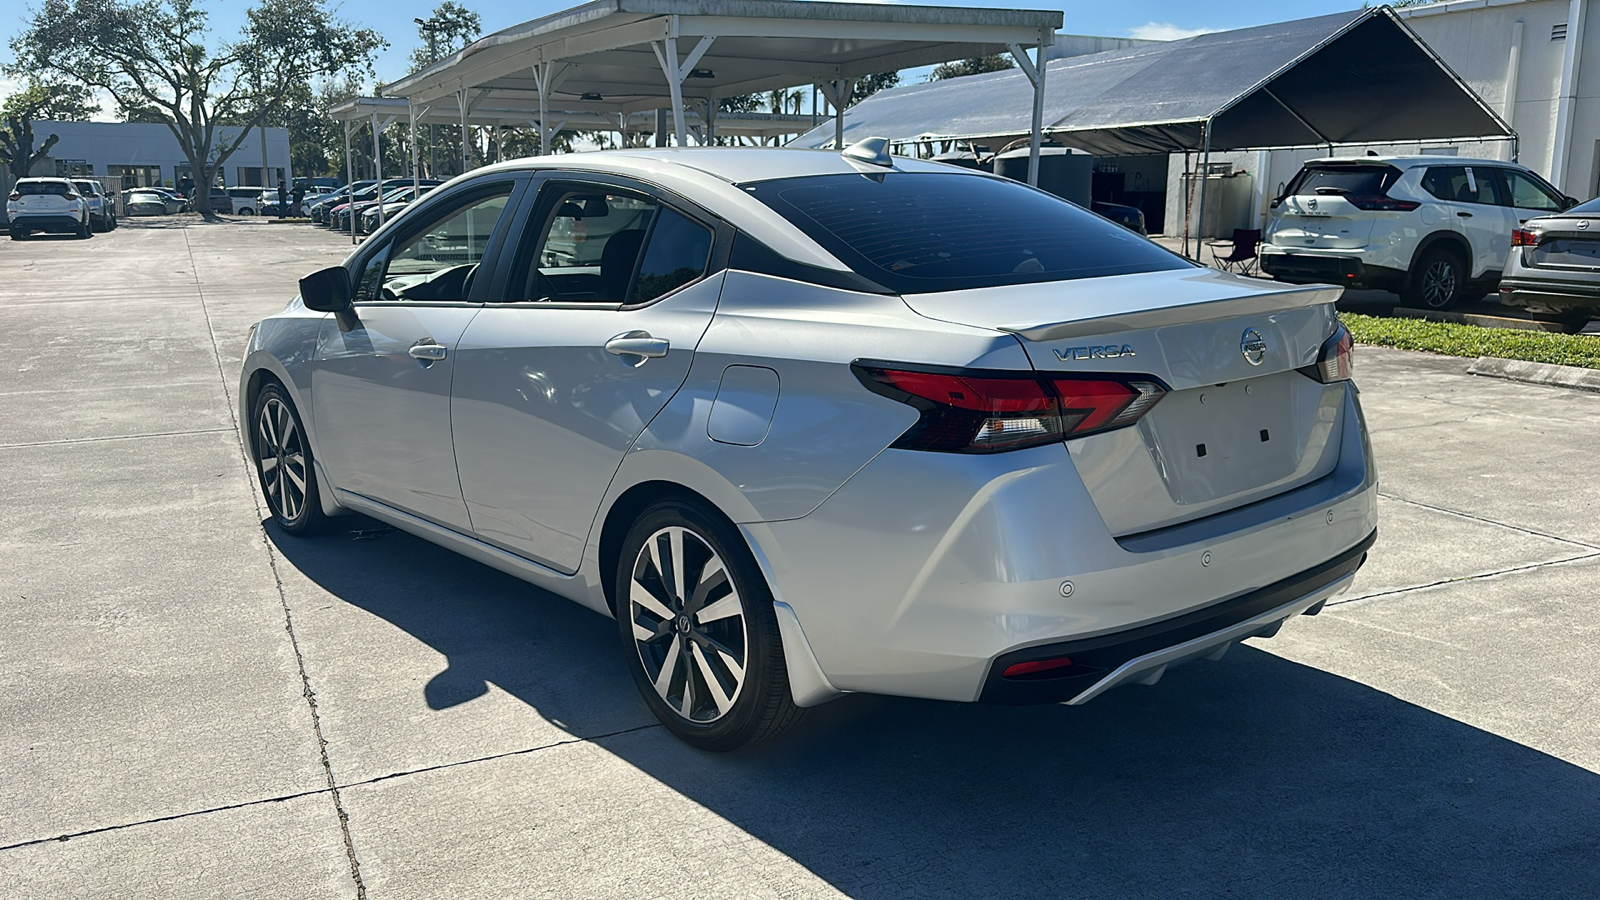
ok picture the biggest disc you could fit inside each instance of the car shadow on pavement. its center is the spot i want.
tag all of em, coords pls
(1253, 776)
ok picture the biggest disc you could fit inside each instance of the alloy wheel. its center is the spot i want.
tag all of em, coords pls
(282, 454)
(1439, 284)
(688, 624)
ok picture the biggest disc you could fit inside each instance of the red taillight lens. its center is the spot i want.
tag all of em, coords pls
(1024, 669)
(1383, 204)
(986, 412)
(15, 195)
(1336, 360)
(1523, 238)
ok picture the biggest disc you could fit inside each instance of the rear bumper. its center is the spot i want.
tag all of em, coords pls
(45, 223)
(1346, 271)
(1142, 655)
(1549, 295)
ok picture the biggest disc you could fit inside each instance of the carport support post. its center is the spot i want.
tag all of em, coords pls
(1035, 70)
(416, 158)
(676, 72)
(349, 166)
(461, 101)
(1205, 172)
(541, 77)
(377, 167)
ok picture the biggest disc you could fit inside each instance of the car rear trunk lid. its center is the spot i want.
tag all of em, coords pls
(1240, 422)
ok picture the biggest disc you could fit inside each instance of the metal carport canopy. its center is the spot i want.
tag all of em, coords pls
(629, 55)
(361, 109)
(1350, 78)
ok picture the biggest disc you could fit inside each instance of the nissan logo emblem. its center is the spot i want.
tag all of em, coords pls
(1253, 346)
(1582, 224)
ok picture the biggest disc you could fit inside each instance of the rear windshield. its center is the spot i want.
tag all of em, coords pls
(59, 188)
(1360, 181)
(1591, 208)
(916, 233)
(144, 197)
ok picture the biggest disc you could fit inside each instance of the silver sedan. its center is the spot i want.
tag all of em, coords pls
(1554, 267)
(807, 422)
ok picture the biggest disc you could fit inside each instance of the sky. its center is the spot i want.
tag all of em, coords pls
(1151, 19)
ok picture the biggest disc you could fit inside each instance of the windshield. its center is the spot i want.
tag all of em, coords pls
(58, 188)
(923, 232)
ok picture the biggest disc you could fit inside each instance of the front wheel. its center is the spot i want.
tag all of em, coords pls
(697, 620)
(1438, 281)
(284, 463)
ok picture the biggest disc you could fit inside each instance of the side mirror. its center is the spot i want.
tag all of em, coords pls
(327, 290)
(1570, 202)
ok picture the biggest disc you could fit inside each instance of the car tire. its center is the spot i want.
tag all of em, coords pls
(284, 463)
(18, 234)
(84, 230)
(1438, 280)
(718, 682)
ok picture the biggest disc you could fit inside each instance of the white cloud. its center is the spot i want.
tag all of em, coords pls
(1165, 31)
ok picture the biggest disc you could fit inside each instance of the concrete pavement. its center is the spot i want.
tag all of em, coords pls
(197, 706)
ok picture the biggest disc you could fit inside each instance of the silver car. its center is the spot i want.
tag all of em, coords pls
(818, 422)
(1554, 267)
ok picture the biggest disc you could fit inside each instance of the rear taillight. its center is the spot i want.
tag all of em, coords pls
(1335, 360)
(15, 195)
(1521, 237)
(1383, 204)
(973, 411)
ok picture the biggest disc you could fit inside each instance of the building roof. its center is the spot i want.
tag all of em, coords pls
(1356, 77)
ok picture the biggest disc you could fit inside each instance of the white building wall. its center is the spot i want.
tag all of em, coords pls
(103, 144)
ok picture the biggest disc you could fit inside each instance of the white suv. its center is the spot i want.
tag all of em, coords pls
(102, 208)
(46, 204)
(1434, 229)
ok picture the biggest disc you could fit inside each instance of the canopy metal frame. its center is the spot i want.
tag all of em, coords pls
(625, 56)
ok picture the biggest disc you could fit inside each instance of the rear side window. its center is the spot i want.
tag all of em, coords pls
(58, 188)
(1358, 181)
(1526, 193)
(676, 253)
(1463, 184)
(923, 232)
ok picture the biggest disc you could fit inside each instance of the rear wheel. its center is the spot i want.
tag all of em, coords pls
(697, 620)
(1438, 281)
(284, 463)
(83, 231)
(17, 234)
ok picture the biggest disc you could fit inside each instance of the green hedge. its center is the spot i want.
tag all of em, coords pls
(1451, 339)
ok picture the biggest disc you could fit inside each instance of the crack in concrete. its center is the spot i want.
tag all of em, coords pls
(1443, 581)
(307, 692)
(119, 437)
(1487, 521)
(331, 789)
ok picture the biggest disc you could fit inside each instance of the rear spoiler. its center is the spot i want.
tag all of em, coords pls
(1266, 302)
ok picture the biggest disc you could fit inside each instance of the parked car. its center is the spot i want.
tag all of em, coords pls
(339, 214)
(102, 209)
(319, 211)
(221, 201)
(145, 202)
(391, 205)
(244, 201)
(812, 432)
(1553, 269)
(1129, 217)
(51, 205)
(1434, 229)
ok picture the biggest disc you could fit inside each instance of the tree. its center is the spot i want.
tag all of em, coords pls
(53, 101)
(997, 62)
(158, 54)
(16, 146)
(867, 85)
(450, 28)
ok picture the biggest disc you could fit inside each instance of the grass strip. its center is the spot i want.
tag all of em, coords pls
(1452, 339)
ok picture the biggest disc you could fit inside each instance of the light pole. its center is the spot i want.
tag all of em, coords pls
(429, 28)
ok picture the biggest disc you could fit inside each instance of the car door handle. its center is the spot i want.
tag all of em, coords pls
(429, 349)
(1464, 215)
(638, 343)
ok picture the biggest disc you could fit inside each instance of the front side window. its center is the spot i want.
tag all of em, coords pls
(922, 232)
(438, 262)
(1526, 193)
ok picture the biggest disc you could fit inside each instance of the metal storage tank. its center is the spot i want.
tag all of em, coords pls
(1066, 172)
